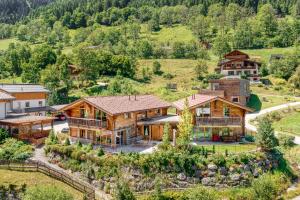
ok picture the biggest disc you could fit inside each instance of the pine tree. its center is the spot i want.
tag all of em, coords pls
(265, 137)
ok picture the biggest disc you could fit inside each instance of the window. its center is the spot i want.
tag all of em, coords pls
(226, 111)
(254, 72)
(27, 104)
(82, 134)
(127, 115)
(238, 72)
(230, 73)
(40, 103)
(235, 99)
(157, 111)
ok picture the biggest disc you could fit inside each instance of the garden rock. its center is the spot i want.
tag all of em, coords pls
(211, 174)
(235, 177)
(223, 171)
(181, 177)
(208, 181)
(212, 167)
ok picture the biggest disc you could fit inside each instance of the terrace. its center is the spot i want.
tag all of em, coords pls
(87, 123)
(218, 121)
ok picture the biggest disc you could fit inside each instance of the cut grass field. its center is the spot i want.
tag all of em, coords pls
(32, 179)
(290, 123)
(5, 43)
(264, 54)
(231, 148)
(262, 101)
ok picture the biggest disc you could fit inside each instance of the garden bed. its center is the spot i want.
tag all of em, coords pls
(177, 168)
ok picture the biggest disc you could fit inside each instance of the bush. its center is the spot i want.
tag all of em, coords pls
(3, 135)
(156, 67)
(123, 192)
(269, 186)
(168, 76)
(201, 193)
(13, 149)
(100, 152)
(249, 138)
(286, 141)
(47, 192)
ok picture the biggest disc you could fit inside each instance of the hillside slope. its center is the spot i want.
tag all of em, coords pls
(13, 10)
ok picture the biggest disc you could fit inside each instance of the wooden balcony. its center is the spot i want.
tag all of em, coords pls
(219, 121)
(87, 123)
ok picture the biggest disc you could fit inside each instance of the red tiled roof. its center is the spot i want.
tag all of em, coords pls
(123, 104)
(5, 96)
(198, 99)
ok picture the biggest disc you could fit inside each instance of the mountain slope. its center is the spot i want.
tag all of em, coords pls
(14, 10)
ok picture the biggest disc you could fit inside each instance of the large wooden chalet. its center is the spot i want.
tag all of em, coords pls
(118, 120)
(215, 118)
(237, 63)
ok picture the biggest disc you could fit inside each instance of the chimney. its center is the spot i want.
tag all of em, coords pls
(129, 97)
(135, 97)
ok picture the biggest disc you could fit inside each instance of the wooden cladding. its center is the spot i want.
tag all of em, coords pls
(29, 95)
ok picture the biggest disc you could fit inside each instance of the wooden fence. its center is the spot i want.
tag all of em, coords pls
(36, 166)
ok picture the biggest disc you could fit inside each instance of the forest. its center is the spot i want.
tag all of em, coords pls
(107, 38)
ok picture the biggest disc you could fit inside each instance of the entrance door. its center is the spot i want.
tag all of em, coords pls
(120, 139)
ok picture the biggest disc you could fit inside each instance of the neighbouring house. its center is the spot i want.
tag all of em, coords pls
(28, 98)
(215, 118)
(23, 112)
(232, 89)
(118, 120)
(237, 63)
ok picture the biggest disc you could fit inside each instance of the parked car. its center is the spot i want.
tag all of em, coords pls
(65, 130)
(61, 117)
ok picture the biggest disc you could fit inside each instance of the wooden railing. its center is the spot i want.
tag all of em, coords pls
(36, 166)
(89, 123)
(218, 121)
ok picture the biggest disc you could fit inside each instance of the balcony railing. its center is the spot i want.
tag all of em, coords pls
(218, 121)
(89, 123)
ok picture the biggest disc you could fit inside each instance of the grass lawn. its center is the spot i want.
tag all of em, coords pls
(34, 178)
(264, 54)
(262, 101)
(176, 33)
(231, 148)
(5, 43)
(290, 123)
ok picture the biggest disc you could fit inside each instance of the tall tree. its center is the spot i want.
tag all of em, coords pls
(265, 137)
(185, 126)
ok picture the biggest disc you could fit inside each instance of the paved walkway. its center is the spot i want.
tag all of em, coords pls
(40, 156)
(252, 116)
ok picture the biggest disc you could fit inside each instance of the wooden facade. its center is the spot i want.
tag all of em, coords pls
(90, 123)
(218, 120)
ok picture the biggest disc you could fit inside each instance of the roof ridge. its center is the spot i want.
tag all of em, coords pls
(120, 95)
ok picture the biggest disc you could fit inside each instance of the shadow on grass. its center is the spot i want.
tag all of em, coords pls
(254, 102)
